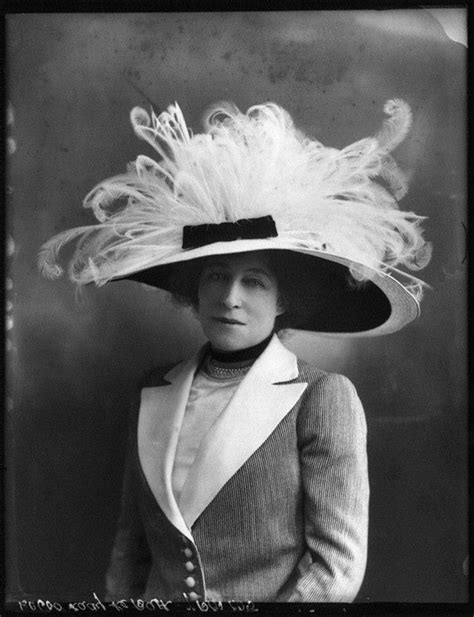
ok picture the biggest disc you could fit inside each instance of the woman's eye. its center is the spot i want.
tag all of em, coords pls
(253, 282)
(216, 276)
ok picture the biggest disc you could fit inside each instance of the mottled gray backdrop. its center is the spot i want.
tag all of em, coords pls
(72, 79)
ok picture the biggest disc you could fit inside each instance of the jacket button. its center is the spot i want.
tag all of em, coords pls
(193, 596)
(190, 582)
(188, 552)
(189, 566)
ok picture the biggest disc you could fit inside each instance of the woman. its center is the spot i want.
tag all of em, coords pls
(246, 477)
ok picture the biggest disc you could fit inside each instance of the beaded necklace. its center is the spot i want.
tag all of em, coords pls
(233, 370)
(233, 364)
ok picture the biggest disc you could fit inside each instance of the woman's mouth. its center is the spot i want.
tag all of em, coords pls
(230, 322)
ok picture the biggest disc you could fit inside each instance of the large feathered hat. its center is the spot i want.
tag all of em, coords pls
(254, 182)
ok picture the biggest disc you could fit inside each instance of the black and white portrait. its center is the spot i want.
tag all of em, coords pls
(236, 313)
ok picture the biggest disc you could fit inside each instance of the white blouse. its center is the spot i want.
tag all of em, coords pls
(208, 398)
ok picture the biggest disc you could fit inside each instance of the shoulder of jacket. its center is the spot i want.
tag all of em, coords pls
(310, 372)
(318, 377)
(330, 402)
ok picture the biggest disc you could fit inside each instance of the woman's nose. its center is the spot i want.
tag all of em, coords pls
(231, 297)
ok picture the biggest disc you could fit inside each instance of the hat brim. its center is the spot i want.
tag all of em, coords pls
(379, 305)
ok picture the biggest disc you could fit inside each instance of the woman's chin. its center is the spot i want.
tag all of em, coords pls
(228, 341)
(226, 344)
(231, 337)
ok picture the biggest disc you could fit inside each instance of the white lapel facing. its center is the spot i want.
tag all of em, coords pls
(257, 407)
(161, 414)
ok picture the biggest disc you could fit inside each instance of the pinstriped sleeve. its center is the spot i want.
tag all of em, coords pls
(130, 559)
(333, 455)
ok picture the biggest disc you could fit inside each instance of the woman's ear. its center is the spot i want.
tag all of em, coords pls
(281, 306)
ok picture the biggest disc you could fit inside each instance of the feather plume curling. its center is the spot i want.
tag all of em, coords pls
(339, 202)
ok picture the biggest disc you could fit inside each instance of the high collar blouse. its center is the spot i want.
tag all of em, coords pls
(209, 395)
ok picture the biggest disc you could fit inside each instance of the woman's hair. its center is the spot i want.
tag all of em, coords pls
(293, 293)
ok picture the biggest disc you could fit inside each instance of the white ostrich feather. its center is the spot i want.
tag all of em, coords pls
(343, 202)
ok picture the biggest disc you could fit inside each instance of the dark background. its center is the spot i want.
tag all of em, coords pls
(72, 80)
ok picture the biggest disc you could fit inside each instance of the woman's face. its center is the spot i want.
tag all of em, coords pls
(238, 300)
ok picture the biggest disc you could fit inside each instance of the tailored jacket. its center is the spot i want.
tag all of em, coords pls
(275, 505)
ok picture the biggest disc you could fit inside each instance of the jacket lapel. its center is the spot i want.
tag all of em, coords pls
(161, 414)
(257, 407)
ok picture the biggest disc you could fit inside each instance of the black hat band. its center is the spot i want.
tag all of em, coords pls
(244, 229)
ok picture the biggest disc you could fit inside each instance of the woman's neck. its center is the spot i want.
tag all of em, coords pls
(240, 355)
